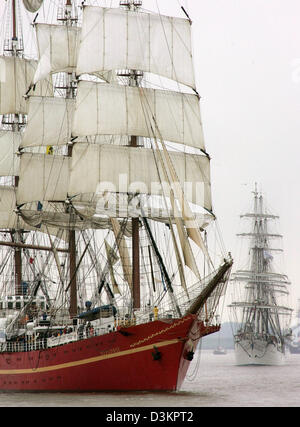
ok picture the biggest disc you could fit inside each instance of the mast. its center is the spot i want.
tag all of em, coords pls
(67, 19)
(14, 31)
(135, 252)
(136, 294)
(17, 251)
(14, 121)
(72, 262)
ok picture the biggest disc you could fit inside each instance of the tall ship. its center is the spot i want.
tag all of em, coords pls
(261, 311)
(107, 277)
(294, 344)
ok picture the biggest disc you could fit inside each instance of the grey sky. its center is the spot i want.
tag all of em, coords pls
(247, 58)
(247, 55)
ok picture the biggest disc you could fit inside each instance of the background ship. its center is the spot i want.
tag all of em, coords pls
(263, 319)
(294, 344)
(107, 278)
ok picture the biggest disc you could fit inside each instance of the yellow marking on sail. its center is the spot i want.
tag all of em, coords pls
(86, 361)
(49, 149)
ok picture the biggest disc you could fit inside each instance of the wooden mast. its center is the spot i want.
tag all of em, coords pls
(135, 252)
(136, 296)
(14, 35)
(72, 236)
(16, 234)
(132, 76)
(72, 265)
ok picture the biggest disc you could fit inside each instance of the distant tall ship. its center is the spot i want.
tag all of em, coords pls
(262, 317)
(294, 345)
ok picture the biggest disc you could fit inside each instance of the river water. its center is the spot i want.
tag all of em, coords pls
(213, 380)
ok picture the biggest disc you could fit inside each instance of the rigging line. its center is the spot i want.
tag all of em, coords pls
(161, 161)
(175, 178)
(222, 243)
(7, 256)
(170, 53)
(186, 14)
(149, 125)
(184, 44)
(152, 130)
(183, 94)
(162, 266)
(178, 86)
(157, 168)
(116, 244)
(77, 266)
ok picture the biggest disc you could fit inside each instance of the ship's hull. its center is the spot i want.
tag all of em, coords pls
(151, 356)
(257, 352)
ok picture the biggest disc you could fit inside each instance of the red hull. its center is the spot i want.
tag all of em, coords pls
(118, 361)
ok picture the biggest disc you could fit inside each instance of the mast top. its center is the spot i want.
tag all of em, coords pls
(255, 192)
(131, 4)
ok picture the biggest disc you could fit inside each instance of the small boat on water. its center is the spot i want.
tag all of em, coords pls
(220, 350)
(294, 344)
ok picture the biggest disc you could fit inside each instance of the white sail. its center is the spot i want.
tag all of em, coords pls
(43, 177)
(98, 168)
(8, 219)
(9, 160)
(16, 78)
(121, 39)
(123, 110)
(49, 121)
(33, 5)
(57, 48)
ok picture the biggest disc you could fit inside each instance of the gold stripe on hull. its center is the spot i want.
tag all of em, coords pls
(89, 360)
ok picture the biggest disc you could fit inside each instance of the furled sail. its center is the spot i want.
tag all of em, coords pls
(32, 5)
(103, 108)
(112, 258)
(123, 251)
(149, 42)
(57, 219)
(57, 48)
(120, 207)
(188, 255)
(49, 121)
(124, 169)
